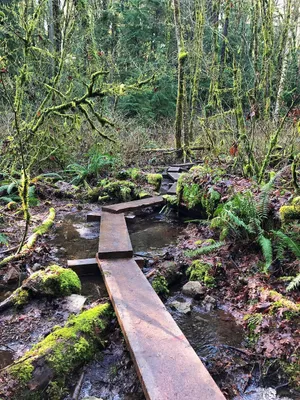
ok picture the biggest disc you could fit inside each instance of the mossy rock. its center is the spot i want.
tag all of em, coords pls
(200, 271)
(288, 213)
(198, 190)
(155, 180)
(54, 281)
(60, 353)
(120, 191)
(160, 285)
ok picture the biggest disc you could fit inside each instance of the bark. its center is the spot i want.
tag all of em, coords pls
(42, 370)
(182, 56)
(282, 62)
(198, 54)
(46, 225)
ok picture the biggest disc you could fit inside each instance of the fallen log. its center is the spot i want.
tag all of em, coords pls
(43, 228)
(167, 151)
(54, 281)
(41, 372)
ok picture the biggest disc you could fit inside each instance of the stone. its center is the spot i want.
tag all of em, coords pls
(74, 303)
(182, 307)
(36, 267)
(11, 276)
(92, 398)
(170, 270)
(193, 289)
(209, 303)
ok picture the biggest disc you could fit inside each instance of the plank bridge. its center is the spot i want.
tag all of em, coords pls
(167, 365)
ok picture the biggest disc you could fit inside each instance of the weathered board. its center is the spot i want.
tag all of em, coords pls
(85, 266)
(174, 169)
(168, 367)
(96, 216)
(173, 188)
(134, 205)
(114, 239)
(89, 266)
(174, 176)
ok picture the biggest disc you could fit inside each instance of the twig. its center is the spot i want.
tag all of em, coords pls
(78, 386)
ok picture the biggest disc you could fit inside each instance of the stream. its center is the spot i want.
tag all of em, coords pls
(214, 334)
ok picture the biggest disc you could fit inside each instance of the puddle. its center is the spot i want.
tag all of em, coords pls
(153, 234)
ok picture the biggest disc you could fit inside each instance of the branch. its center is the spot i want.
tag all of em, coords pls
(46, 225)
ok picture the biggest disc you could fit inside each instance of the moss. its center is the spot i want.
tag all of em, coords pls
(198, 189)
(296, 201)
(23, 373)
(183, 55)
(21, 298)
(289, 212)
(292, 370)
(143, 195)
(171, 200)
(154, 180)
(160, 285)
(135, 174)
(119, 190)
(200, 271)
(60, 281)
(67, 347)
(290, 309)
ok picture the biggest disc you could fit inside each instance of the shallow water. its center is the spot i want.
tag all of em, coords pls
(209, 333)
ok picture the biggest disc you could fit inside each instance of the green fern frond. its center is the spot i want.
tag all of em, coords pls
(203, 250)
(287, 242)
(266, 247)
(294, 283)
(239, 222)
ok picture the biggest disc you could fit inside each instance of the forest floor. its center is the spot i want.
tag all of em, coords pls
(267, 355)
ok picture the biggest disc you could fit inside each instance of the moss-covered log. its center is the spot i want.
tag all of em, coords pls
(54, 281)
(41, 230)
(41, 372)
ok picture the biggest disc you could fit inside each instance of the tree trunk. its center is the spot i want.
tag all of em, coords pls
(198, 54)
(182, 56)
(282, 62)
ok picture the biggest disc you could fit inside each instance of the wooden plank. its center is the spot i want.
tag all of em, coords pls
(89, 266)
(183, 165)
(135, 205)
(114, 237)
(167, 365)
(174, 176)
(85, 266)
(96, 216)
(173, 188)
(174, 169)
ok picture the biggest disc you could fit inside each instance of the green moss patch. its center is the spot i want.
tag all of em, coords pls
(154, 180)
(65, 348)
(200, 271)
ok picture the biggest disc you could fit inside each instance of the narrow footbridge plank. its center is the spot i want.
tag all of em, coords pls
(114, 239)
(134, 205)
(168, 367)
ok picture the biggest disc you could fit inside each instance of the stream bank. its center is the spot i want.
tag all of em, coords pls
(214, 334)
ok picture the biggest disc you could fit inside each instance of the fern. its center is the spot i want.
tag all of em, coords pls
(266, 247)
(287, 242)
(203, 250)
(263, 206)
(294, 283)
